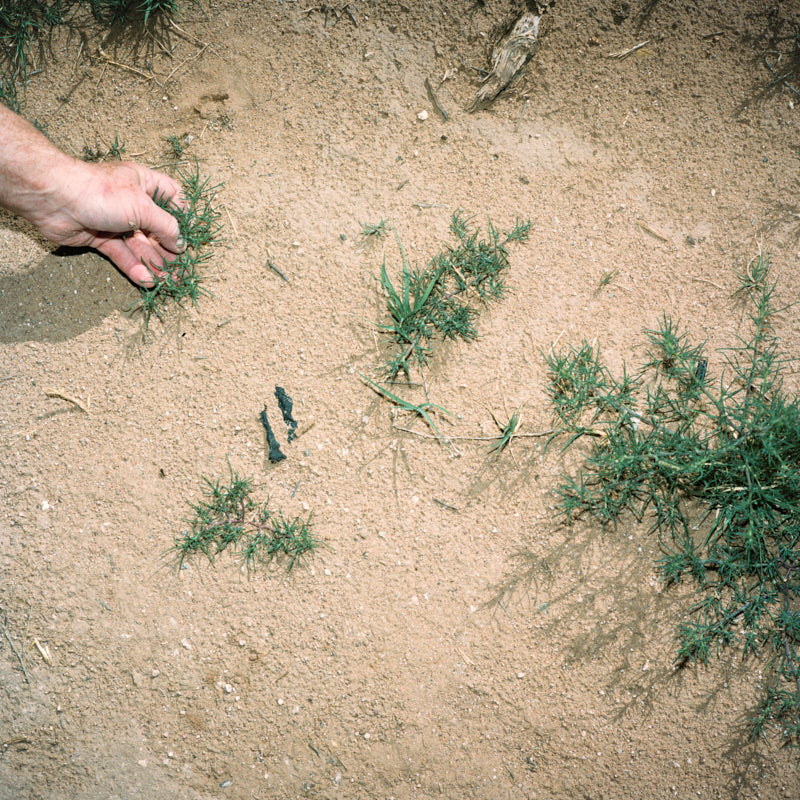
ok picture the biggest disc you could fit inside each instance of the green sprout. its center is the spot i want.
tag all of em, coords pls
(177, 145)
(508, 431)
(230, 519)
(374, 230)
(714, 468)
(607, 277)
(116, 149)
(420, 410)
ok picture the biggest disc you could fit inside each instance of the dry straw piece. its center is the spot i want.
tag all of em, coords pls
(509, 57)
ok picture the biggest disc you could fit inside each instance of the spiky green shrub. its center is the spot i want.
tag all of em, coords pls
(230, 519)
(712, 465)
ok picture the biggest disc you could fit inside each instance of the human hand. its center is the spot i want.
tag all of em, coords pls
(110, 207)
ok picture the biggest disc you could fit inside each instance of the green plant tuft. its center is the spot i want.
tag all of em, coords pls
(436, 300)
(230, 519)
(200, 227)
(714, 468)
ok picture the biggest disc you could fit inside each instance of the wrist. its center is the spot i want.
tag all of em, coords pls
(34, 173)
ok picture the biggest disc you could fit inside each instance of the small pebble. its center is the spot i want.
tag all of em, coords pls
(423, 115)
(225, 784)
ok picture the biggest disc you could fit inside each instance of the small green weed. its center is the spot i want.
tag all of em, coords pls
(25, 23)
(714, 467)
(176, 145)
(200, 227)
(435, 300)
(230, 519)
(115, 150)
(374, 230)
(438, 301)
(607, 277)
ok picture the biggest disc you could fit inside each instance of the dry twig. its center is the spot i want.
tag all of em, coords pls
(69, 399)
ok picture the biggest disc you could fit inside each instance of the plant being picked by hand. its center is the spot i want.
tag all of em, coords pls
(437, 300)
(715, 470)
(229, 518)
(199, 225)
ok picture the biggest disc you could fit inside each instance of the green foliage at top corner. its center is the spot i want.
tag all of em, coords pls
(713, 465)
(112, 12)
(440, 298)
(21, 23)
(25, 24)
(180, 280)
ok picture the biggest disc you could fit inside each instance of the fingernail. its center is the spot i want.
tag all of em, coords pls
(181, 243)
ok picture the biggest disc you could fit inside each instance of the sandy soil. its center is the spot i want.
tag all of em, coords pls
(383, 668)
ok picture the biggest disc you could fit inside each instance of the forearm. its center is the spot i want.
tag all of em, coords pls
(33, 171)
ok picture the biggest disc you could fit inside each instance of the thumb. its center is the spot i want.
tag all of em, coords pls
(155, 221)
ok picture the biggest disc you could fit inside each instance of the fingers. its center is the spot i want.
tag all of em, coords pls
(160, 185)
(135, 256)
(158, 223)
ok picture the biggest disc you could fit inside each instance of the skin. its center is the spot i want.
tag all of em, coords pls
(105, 206)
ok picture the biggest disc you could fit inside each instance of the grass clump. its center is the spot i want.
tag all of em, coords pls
(25, 24)
(200, 227)
(714, 467)
(22, 22)
(230, 519)
(437, 299)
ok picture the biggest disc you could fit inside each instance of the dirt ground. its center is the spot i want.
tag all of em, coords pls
(384, 667)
